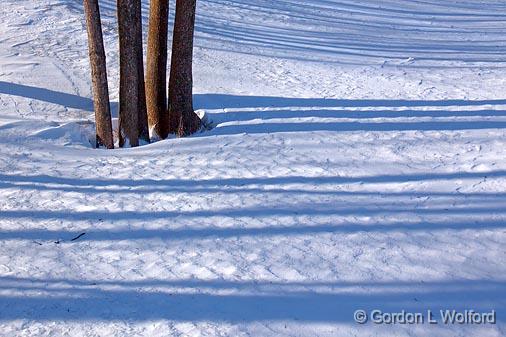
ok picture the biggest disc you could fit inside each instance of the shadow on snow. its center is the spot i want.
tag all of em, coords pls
(243, 301)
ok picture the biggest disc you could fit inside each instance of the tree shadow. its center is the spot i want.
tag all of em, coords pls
(237, 301)
(484, 210)
(50, 96)
(231, 114)
(48, 236)
(221, 101)
(359, 34)
(432, 33)
(354, 126)
(283, 114)
(47, 182)
(46, 95)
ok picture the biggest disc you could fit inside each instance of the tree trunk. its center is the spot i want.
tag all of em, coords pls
(143, 113)
(182, 118)
(156, 74)
(98, 75)
(132, 104)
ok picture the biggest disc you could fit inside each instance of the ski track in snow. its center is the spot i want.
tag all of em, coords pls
(357, 162)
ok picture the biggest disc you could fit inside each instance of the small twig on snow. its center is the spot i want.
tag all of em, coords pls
(77, 237)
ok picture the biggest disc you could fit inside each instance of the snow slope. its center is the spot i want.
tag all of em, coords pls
(357, 162)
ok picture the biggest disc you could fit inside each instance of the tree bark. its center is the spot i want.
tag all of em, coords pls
(98, 75)
(182, 118)
(132, 104)
(156, 71)
(143, 113)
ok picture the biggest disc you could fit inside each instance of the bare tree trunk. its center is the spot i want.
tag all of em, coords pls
(98, 75)
(143, 114)
(156, 74)
(182, 118)
(132, 104)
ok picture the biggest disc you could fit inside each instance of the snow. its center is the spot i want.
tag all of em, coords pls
(357, 161)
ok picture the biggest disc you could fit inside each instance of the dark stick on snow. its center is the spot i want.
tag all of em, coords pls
(77, 237)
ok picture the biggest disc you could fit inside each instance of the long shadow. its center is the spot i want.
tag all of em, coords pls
(66, 300)
(46, 95)
(247, 189)
(282, 108)
(363, 114)
(258, 212)
(219, 284)
(483, 204)
(342, 32)
(354, 126)
(220, 101)
(255, 181)
(244, 182)
(176, 234)
(271, 185)
(354, 34)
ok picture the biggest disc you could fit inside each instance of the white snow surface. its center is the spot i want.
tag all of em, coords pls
(357, 161)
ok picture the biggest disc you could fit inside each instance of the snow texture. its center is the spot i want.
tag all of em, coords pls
(357, 160)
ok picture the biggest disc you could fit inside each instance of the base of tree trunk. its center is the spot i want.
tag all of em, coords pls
(189, 123)
(174, 120)
(100, 143)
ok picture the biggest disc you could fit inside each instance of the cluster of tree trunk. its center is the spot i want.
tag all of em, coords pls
(143, 102)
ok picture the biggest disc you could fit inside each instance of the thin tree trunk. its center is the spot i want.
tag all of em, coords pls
(182, 118)
(98, 75)
(132, 111)
(156, 74)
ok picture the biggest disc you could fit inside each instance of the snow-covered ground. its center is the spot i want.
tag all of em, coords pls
(358, 162)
